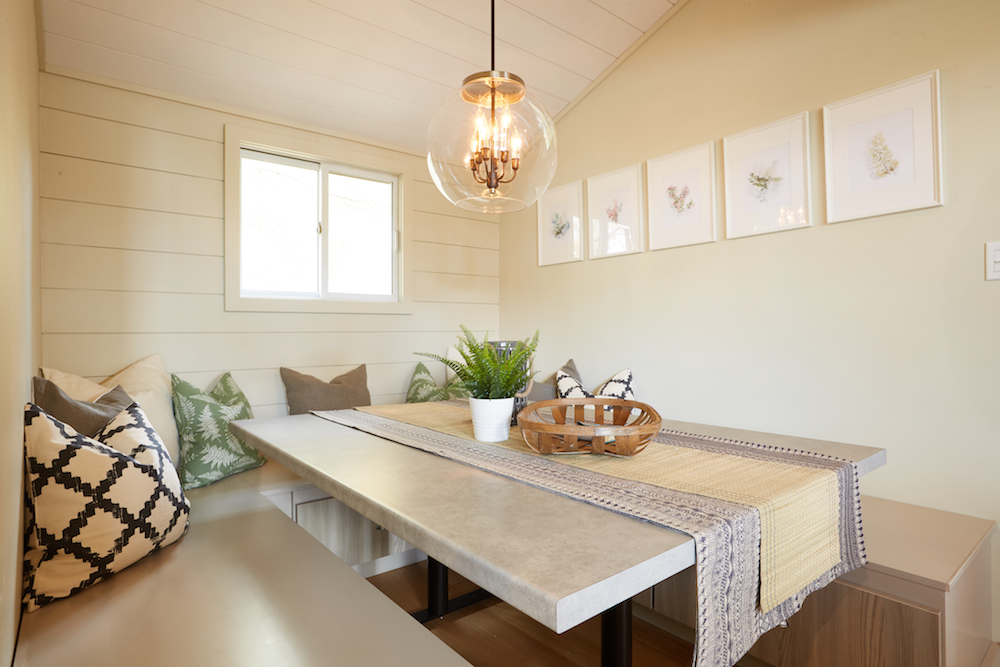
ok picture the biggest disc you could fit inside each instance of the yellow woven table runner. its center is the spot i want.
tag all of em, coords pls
(798, 505)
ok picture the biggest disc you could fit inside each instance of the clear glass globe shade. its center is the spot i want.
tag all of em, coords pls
(449, 139)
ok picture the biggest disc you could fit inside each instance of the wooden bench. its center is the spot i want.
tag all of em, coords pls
(923, 600)
(246, 586)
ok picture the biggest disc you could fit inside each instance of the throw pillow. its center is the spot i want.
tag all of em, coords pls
(423, 388)
(209, 451)
(86, 418)
(98, 504)
(619, 386)
(306, 393)
(544, 391)
(146, 381)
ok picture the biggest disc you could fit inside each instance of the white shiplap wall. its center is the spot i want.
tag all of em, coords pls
(132, 255)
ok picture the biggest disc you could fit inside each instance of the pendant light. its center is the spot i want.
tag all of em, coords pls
(491, 147)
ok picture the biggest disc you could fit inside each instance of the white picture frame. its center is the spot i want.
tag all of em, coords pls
(560, 225)
(767, 178)
(615, 212)
(681, 190)
(883, 150)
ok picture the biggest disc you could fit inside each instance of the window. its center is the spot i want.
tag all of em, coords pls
(315, 231)
(307, 233)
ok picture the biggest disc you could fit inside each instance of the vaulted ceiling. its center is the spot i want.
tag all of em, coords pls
(374, 69)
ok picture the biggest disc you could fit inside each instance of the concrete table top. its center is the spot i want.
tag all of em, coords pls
(558, 560)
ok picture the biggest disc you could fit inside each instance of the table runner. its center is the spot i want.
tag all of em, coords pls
(798, 514)
(675, 483)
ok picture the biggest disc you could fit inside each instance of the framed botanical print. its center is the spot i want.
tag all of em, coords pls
(560, 224)
(883, 150)
(681, 190)
(767, 177)
(614, 212)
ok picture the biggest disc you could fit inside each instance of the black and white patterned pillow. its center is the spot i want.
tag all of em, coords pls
(619, 386)
(96, 505)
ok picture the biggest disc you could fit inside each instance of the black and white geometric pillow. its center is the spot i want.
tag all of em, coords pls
(97, 505)
(568, 386)
(619, 386)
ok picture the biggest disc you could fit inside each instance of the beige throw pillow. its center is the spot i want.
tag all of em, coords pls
(146, 381)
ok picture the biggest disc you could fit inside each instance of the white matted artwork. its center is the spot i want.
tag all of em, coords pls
(883, 150)
(560, 225)
(681, 189)
(767, 177)
(614, 212)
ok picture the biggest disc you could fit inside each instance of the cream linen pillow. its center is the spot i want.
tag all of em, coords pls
(95, 505)
(146, 381)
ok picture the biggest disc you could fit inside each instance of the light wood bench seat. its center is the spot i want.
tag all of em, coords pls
(923, 599)
(246, 586)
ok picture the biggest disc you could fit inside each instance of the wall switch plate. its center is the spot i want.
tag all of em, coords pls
(993, 261)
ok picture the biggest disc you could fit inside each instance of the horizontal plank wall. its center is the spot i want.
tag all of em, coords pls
(880, 332)
(132, 256)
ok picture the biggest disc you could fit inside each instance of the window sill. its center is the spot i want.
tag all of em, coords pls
(258, 305)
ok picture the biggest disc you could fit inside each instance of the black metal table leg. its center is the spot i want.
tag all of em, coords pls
(437, 588)
(438, 603)
(616, 636)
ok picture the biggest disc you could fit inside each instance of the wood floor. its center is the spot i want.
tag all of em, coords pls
(494, 634)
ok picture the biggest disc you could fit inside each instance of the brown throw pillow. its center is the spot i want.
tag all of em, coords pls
(85, 417)
(305, 392)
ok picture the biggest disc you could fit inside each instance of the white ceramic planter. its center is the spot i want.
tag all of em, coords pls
(491, 418)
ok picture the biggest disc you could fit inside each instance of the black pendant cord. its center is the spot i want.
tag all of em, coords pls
(493, 33)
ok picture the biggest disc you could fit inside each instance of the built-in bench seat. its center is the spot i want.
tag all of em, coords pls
(923, 599)
(245, 586)
(365, 546)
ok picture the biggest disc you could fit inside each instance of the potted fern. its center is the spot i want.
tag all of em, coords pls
(492, 380)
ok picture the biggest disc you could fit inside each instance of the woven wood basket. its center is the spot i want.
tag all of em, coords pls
(630, 433)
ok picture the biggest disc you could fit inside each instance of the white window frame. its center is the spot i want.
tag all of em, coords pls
(333, 157)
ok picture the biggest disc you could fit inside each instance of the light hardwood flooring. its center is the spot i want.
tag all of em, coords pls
(494, 634)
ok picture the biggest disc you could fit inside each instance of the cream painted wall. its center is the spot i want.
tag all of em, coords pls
(18, 287)
(132, 254)
(877, 332)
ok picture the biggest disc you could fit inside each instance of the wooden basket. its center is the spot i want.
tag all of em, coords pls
(631, 433)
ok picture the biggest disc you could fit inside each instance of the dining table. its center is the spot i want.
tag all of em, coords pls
(558, 560)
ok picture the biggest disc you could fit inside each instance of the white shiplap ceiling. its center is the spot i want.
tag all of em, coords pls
(375, 69)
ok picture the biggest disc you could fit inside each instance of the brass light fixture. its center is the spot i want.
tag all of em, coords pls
(491, 147)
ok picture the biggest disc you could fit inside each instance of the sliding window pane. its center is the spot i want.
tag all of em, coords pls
(360, 238)
(279, 227)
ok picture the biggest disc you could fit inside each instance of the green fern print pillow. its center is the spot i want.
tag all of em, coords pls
(208, 450)
(423, 388)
